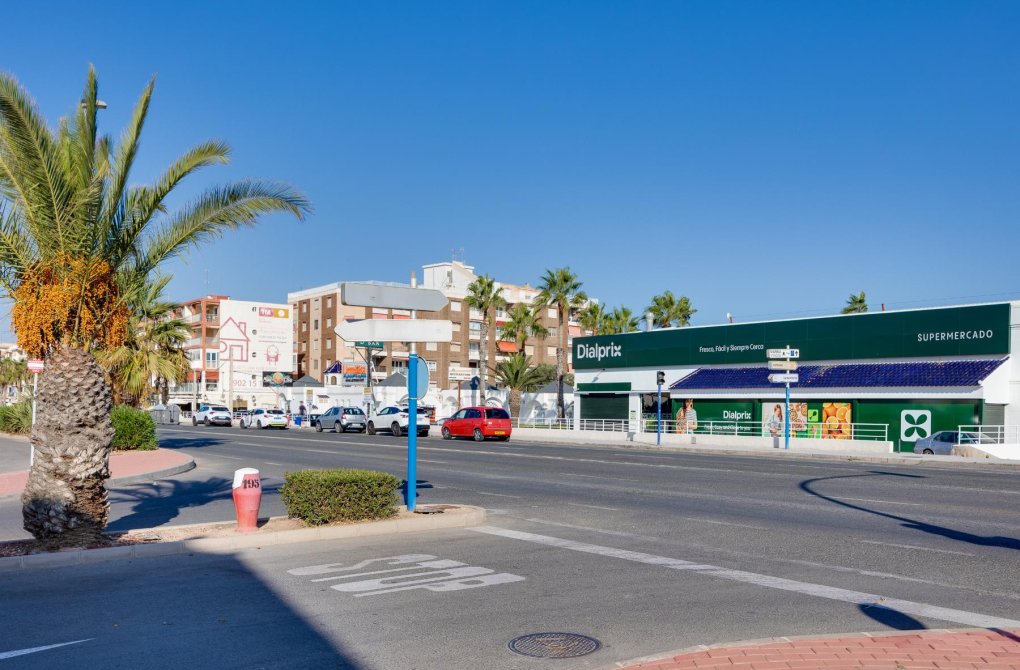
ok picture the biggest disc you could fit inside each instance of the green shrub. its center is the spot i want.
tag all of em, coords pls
(326, 496)
(133, 429)
(16, 418)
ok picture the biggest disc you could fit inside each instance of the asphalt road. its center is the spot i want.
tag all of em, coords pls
(645, 551)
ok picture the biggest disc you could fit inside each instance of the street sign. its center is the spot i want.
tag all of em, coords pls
(35, 365)
(460, 374)
(784, 353)
(786, 378)
(396, 330)
(391, 296)
(423, 376)
(782, 365)
(369, 345)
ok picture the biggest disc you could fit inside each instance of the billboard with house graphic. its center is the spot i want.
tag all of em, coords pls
(254, 337)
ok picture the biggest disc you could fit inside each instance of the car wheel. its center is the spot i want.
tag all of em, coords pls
(318, 427)
(337, 427)
(504, 438)
(260, 425)
(370, 429)
(206, 422)
(395, 429)
(244, 425)
(446, 433)
(194, 421)
(425, 434)
(478, 435)
(929, 452)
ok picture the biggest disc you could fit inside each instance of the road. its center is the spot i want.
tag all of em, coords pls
(643, 550)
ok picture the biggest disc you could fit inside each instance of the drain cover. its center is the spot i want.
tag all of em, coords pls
(554, 645)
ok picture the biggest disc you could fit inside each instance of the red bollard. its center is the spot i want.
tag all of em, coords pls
(247, 498)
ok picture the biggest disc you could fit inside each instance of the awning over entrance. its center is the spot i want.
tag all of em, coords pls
(335, 369)
(848, 375)
(507, 347)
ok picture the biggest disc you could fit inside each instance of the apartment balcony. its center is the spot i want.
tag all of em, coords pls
(474, 355)
(207, 342)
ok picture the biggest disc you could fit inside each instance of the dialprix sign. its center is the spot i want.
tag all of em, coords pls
(949, 331)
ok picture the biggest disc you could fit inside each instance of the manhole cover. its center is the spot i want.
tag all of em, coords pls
(554, 645)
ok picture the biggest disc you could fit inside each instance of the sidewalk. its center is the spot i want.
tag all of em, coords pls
(929, 649)
(125, 467)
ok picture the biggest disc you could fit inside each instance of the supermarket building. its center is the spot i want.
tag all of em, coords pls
(907, 373)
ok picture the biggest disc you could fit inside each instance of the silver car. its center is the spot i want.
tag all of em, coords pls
(340, 419)
(942, 442)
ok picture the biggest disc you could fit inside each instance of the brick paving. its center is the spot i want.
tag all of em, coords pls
(930, 649)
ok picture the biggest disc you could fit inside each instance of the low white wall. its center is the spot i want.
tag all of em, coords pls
(1008, 451)
(802, 444)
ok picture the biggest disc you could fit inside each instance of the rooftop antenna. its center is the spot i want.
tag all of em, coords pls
(462, 254)
(207, 281)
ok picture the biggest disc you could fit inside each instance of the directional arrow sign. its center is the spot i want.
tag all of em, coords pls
(386, 296)
(784, 353)
(782, 365)
(396, 330)
(788, 378)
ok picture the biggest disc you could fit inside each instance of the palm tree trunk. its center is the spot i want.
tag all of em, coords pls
(483, 356)
(515, 403)
(560, 407)
(65, 498)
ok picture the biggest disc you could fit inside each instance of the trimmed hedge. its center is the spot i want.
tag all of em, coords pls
(16, 418)
(318, 497)
(133, 429)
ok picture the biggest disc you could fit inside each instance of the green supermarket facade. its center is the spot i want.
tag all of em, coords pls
(913, 371)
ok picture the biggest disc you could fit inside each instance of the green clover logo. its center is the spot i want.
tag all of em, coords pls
(915, 426)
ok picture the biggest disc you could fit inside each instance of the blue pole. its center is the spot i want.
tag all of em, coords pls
(412, 433)
(658, 424)
(787, 415)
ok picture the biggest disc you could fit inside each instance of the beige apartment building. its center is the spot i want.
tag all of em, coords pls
(317, 348)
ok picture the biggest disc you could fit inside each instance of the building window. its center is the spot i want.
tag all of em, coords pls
(329, 323)
(329, 343)
(398, 365)
(454, 347)
(475, 327)
(474, 313)
(431, 346)
(315, 364)
(304, 346)
(329, 302)
(550, 351)
(529, 350)
(454, 305)
(304, 326)
(304, 307)
(553, 331)
(211, 357)
(315, 324)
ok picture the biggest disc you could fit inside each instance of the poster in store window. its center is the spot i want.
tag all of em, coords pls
(837, 421)
(774, 421)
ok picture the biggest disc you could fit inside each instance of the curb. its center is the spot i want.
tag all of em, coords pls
(463, 517)
(665, 656)
(783, 454)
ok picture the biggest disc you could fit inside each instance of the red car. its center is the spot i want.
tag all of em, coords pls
(479, 423)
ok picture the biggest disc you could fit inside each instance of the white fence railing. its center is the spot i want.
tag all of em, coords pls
(986, 434)
(851, 431)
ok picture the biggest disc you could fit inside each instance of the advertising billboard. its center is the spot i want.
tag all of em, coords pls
(255, 338)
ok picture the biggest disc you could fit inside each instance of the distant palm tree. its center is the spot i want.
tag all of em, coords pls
(153, 352)
(667, 310)
(486, 297)
(620, 320)
(593, 318)
(524, 321)
(518, 375)
(78, 239)
(856, 304)
(14, 373)
(561, 289)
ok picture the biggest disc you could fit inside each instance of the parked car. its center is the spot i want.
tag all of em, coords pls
(262, 417)
(479, 423)
(340, 419)
(943, 441)
(209, 415)
(395, 420)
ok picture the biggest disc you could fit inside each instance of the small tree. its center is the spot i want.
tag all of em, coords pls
(518, 376)
(856, 304)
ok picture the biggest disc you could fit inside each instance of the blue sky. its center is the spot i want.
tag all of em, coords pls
(765, 159)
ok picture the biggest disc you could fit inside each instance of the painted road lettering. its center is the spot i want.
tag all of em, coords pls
(439, 575)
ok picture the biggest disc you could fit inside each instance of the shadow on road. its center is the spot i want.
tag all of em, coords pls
(913, 524)
(157, 503)
(891, 618)
(189, 442)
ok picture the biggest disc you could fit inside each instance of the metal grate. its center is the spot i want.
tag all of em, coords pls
(554, 645)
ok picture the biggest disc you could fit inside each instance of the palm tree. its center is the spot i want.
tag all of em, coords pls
(620, 320)
(593, 318)
(78, 241)
(152, 354)
(518, 375)
(524, 321)
(667, 310)
(486, 297)
(561, 289)
(14, 373)
(856, 304)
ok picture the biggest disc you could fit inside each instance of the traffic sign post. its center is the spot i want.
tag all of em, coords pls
(784, 378)
(35, 366)
(391, 296)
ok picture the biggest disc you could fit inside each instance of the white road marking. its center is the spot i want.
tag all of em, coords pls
(21, 652)
(486, 493)
(611, 509)
(233, 458)
(618, 479)
(429, 460)
(914, 546)
(805, 588)
(271, 463)
(884, 502)
(723, 523)
(618, 533)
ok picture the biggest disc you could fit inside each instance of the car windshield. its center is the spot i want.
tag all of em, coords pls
(496, 414)
(219, 409)
(274, 411)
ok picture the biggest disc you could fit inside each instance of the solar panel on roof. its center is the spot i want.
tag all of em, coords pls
(849, 375)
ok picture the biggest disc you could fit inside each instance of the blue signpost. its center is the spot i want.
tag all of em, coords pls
(785, 377)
